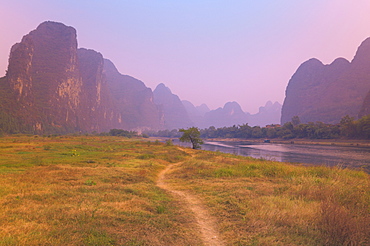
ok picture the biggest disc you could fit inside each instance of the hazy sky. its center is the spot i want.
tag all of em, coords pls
(206, 51)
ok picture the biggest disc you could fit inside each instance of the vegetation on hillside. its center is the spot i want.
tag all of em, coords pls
(101, 190)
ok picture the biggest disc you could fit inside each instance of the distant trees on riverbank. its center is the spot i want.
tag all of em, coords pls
(347, 128)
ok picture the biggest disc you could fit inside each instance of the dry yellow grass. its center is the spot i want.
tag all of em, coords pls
(269, 203)
(85, 190)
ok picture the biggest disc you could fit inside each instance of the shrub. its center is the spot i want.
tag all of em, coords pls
(169, 142)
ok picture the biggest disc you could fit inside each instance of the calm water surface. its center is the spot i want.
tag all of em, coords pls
(354, 157)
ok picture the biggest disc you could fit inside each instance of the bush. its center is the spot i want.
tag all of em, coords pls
(169, 142)
(122, 133)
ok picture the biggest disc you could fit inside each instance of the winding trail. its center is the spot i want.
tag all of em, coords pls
(206, 223)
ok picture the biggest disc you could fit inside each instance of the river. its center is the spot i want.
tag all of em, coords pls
(351, 157)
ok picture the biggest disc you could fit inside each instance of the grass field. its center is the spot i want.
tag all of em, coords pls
(90, 190)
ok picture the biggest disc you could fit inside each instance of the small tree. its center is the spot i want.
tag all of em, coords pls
(191, 135)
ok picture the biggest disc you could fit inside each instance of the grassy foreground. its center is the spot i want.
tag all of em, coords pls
(89, 190)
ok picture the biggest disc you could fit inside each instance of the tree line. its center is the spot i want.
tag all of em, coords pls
(347, 128)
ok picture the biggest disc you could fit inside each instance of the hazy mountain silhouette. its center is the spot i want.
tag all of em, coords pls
(174, 113)
(196, 114)
(232, 114)
(135, 101)
(267, 115)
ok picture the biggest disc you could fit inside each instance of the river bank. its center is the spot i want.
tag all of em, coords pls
(354, 154)
(325, 142)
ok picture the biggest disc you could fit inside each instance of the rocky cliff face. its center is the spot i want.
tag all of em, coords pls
(174, 113)
(44, 77)
(326, 93)
(54, 87)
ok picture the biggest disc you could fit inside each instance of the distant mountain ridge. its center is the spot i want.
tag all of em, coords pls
(267, 115)
(196, 114)
(136, 100)
(232, 114)
(326, 93)
(174, 113)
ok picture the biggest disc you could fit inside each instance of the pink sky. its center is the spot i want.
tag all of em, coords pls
(208, 51)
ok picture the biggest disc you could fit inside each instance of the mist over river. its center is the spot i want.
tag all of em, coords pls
(351, 157)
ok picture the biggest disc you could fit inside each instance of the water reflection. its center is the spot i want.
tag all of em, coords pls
(354, 157)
